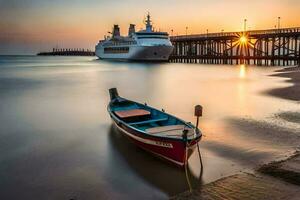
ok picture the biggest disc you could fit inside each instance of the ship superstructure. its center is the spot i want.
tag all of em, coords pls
(144, 45)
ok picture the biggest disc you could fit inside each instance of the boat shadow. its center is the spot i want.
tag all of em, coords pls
(160, 174)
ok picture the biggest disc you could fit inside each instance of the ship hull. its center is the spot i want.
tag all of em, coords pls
(138, 53)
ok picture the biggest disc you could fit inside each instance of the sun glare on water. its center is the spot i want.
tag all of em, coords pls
(242, 73)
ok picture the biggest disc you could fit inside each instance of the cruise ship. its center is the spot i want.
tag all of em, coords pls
(143, 45)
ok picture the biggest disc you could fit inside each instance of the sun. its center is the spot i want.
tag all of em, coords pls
(243, 43)
(243, 39)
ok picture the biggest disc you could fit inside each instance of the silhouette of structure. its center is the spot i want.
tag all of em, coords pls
(68, 52)
(259, 47)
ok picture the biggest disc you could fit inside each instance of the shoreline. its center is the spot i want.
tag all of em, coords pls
(287, 170)
(290, 92)
(275, 180)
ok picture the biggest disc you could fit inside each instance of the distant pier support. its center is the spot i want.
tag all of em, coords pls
(259, 47)
(68, 52)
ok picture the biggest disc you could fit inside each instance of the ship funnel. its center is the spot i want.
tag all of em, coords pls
(131, 29)
(116, 31)
(113, 93)
(148, 23)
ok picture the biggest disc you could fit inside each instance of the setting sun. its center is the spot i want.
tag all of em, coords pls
(243, 39)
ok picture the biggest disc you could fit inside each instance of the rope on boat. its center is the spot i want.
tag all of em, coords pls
(186, 143)
(186, 165)
(200, 158)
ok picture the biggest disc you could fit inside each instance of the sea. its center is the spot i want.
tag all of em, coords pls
(57, 140)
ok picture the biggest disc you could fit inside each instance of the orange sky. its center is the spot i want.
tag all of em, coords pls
(29, 26)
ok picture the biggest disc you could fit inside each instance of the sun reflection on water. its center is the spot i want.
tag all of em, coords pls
(242, 73)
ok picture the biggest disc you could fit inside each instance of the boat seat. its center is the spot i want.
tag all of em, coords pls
(132, 113)
(165, 128)
(170, 130)
(149, 121)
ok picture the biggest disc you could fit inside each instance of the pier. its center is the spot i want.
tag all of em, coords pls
(258, 47)
(68, 52)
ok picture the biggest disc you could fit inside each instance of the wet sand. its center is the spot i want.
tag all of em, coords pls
(287, 170)
(291, 92)
(290, 116)
(277, 180)
(245, 186)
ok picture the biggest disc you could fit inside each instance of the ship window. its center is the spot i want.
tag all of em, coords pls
(116, 49)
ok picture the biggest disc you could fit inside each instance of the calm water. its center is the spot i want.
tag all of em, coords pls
(57, 141)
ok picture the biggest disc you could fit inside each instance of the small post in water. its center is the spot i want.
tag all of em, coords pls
(198, 113)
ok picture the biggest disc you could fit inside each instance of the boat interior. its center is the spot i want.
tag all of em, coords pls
(150, 120)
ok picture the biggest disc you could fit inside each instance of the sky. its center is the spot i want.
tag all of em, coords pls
(30, 26)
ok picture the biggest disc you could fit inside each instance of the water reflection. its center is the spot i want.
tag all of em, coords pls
(164, 176)
(242, 74)
(53, 118)
(241, 91)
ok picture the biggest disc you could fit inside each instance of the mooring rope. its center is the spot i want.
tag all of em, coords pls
(200, 158)
(186, 165)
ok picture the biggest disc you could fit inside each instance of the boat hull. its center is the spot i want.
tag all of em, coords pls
(138, 53)
(173, 151)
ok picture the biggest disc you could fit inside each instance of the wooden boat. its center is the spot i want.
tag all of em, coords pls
(153, 130)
